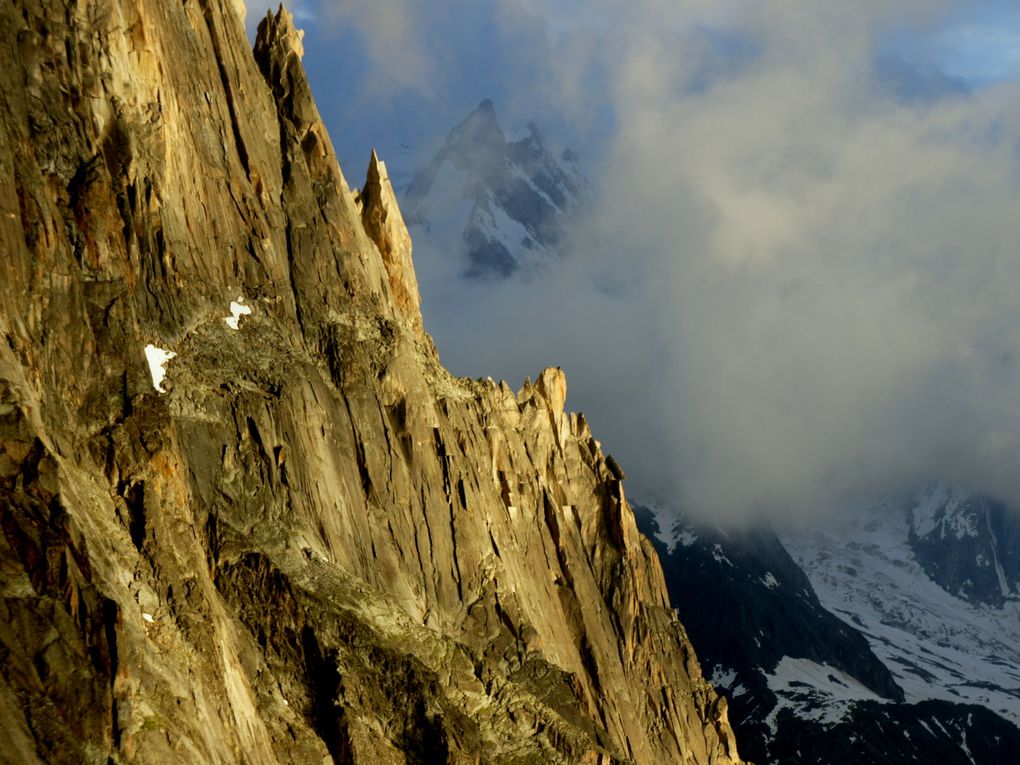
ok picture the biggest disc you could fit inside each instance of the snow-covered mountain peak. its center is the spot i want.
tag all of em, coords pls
(477, 144)
(500, 206)
(942, 507)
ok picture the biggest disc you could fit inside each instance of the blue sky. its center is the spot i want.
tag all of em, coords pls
(979, 42)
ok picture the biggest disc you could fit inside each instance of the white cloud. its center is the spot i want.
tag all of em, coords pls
(814, 287)
(396, 41)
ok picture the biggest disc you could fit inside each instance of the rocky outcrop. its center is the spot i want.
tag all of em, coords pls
(306, 541)
(381, 217)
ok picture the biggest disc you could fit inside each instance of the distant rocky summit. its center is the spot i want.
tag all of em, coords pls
(500, 206)
(245, 514)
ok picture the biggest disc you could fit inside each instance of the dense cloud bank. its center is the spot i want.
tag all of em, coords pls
(800, 281)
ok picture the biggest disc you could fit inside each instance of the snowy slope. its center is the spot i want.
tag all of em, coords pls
(847, 651)
(937, 644)
(815, 692)
(967, 543)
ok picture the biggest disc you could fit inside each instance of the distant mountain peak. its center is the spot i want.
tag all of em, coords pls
(481, 122)
(499, 205)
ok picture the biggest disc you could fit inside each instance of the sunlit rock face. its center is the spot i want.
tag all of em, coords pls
(383, 222)
(499, 205)
(285, 534)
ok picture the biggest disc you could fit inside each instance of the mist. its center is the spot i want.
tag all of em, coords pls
(799, 282)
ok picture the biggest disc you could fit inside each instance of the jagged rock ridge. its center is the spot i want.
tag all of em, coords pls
(315, 544)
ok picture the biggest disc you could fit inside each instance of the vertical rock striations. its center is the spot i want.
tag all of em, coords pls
(315, 544)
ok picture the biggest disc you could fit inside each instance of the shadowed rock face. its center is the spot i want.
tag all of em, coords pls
(315, 545)
(968, 544)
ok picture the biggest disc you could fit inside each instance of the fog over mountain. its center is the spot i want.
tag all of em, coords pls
(798, 281)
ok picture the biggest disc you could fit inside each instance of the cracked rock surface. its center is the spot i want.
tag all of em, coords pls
(315, 544)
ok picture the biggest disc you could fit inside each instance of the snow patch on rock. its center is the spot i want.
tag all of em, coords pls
(669, 529)
(686, 538)
(722, 677)
(720, 556)
(770, 581)
(237, 310)
(157, 359)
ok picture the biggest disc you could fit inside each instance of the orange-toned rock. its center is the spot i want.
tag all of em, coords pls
(385, 225)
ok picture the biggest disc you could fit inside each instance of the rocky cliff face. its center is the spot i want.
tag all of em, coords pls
(290, 536)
